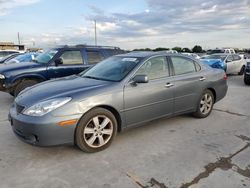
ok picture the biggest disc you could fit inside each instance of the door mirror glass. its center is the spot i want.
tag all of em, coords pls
(59, 61)
(140, 79)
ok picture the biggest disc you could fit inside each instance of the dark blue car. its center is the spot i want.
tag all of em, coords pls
(54, 63)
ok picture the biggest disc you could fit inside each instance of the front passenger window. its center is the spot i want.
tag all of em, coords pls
(72, 58)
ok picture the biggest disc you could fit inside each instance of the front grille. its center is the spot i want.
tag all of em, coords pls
(19, 108)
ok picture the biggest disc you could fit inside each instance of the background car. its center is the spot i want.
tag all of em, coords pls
(4, 53)
(231, 63)
(222, 50)
(22, 58)
(8, 57)
(54, 63)
(247, 74)
(192, 55)
(120, 92)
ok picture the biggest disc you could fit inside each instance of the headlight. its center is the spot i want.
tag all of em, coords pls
(2, 76)
(45, 107)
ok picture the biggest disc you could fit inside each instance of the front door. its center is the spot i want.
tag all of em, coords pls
(72, 64)
(148, 101)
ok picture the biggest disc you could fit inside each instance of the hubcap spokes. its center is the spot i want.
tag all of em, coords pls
(206, 104)
(98, 131)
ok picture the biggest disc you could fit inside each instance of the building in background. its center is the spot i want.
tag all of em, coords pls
(11, 46)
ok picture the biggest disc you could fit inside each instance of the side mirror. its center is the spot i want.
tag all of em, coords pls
(58, 61)
(228, 61)
(140, 79)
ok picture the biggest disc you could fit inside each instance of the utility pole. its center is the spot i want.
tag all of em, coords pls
(95, 34)
(18, 37)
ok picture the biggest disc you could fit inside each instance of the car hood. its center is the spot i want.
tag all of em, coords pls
(17, 66)
(63, 87)
(215, 63)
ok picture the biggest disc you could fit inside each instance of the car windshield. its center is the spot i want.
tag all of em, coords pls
(221, 57)
(45, 57)
(113, 69)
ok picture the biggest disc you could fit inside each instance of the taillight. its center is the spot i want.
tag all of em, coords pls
(225, 77)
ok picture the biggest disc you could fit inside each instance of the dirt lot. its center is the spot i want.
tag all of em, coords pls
(177, 152)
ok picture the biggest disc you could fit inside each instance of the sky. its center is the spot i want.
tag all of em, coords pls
(127, 24)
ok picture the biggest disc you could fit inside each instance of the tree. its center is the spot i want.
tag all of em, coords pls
(197, 49)
(178, 49)
(186, 50)
(160, 49)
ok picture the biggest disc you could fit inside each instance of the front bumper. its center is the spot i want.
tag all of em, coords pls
(2, 88)
(42, 131)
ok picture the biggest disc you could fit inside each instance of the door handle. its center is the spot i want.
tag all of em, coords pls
(168, 85)
(202, 78)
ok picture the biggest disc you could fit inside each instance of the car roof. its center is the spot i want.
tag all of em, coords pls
(147, 54)
(80, 46)
(221, 54)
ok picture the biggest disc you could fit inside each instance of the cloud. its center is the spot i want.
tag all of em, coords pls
(7, 5)
(171, 17)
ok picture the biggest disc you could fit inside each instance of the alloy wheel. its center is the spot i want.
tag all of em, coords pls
(98, 131)
(206, 103)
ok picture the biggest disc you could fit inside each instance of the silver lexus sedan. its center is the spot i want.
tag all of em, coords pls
(120, 92)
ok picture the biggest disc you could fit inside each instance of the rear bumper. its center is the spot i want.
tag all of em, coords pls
(42, 131)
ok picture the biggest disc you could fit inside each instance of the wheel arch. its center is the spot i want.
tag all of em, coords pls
(116, 114)
(213, 91)
(28, 77)
(113, 111)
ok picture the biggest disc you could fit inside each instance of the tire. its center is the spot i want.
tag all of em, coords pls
(242, 70)
(247, 79)
(205, 104)
(24, 84)
(96, 130)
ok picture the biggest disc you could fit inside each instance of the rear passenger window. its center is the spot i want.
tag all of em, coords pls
(230, 58)
(94, 57)
(236, 57)
(72, 58)
(183, 66)
(154, 68)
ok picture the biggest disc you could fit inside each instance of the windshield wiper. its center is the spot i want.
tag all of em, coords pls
(91, 77)
(96, 78)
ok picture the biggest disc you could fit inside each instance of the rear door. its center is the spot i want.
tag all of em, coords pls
(147, 101)
(93, 56)
(230, 64)
(73, 63)
(238, 63)
(188, 80)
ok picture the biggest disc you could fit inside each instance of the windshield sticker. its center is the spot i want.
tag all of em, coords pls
(129, 59)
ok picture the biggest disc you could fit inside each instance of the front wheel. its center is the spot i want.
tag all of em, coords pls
(23, 85)
(96, 130)
(205, 105)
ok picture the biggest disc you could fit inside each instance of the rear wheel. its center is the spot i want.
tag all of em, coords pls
(242, 70)
(205, 105)
(24, 84)
(96, 130)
